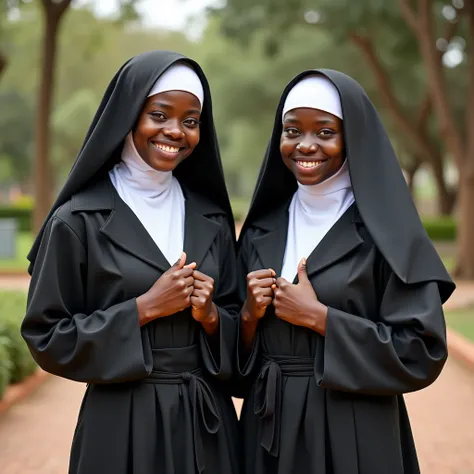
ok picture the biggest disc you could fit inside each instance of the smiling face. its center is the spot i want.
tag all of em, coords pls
(167, 130)
(312, 144)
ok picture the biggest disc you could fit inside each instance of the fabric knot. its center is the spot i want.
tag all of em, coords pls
(186, 376)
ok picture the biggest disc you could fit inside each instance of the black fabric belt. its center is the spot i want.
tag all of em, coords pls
(182, 366)
(268, 393)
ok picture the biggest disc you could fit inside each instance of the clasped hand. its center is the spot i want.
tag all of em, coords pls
(294, 303)
(180, 287)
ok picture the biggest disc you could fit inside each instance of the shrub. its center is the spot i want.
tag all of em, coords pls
(441, 229)
(5, 366)
(16, 362)
(23, 216)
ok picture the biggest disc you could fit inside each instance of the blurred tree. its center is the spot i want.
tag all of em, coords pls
(398, 76)
(459, 140)
(422, 43)
(15, 128)
(53, 14)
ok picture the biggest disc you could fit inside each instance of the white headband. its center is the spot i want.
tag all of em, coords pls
(179, 77)
(314, 92)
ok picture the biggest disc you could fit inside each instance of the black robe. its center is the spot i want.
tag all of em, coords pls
(156, 401)
(334, 404)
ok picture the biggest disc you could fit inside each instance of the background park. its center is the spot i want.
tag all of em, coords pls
(415, 58)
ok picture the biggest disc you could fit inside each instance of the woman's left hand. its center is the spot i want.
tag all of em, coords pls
(203, 310)
(298, 304)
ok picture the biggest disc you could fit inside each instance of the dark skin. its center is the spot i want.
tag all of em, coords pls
(312, 147)
(166, 133)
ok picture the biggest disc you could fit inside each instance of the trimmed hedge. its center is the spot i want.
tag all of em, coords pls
(441, 228)
(23, 216)
(16, 362)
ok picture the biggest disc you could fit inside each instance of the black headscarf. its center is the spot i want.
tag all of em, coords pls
(117, 114)
(381, 193)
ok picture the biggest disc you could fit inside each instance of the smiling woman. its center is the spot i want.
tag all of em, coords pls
(133, 280)
(341, 292)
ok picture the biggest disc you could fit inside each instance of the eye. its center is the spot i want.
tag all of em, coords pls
(158, 115)
(326, 133)
(291, 132)
(192, 122)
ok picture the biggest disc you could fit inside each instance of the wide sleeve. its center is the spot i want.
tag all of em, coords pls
(402, 349)
(245, 360)
(103, 346)
(217, 351)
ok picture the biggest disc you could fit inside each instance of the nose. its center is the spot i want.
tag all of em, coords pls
(307, 145)
(173, 130)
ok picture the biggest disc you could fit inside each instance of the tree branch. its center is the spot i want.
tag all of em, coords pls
(431, 57)
(470, 94)
(402, 120)
(409, 15)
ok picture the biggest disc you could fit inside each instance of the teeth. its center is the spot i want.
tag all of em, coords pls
(169, 149)
(310, 164)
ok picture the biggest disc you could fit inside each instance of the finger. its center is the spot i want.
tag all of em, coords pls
(281, 282)
(263, 283)
(263, 301)
(203, 285)
(202, 276)
(191, 265)
(302, 273)
(260, 274)
(266, 292)
(187, 282)
(180, 262)
(184, 273)
(198, 301)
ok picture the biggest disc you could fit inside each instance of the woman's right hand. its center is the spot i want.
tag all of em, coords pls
(170, 294)
(260, 286)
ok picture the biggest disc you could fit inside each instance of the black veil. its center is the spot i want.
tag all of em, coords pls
(380, 190)
(117, 114)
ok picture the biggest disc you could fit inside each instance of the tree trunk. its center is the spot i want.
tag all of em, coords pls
(3, 64)
(414, 129)
(53, 12)
(411, 173)
(465, 237)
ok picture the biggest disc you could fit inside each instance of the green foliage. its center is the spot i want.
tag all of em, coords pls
(19, 363)
(441, 229)
(23, 216)
(12, 312)
(462, 321)
(5, 365)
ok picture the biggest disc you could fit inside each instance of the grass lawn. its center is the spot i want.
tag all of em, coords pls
(23, 245)
(462, 321)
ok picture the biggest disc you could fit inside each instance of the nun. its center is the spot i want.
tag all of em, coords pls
(341, 292)
(133, 280)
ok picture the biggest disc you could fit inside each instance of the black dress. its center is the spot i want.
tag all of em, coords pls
(155, 401)
(334, 404)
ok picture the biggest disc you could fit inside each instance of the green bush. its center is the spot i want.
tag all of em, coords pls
(15, 357)
(441, 229)
(23, 216)
(5, 366)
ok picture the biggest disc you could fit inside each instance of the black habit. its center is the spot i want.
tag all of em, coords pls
(334, 404)
(156, 399)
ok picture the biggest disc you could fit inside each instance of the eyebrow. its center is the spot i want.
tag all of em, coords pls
(163, 105)
(318, 121)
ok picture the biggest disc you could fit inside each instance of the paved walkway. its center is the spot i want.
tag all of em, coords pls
(35, 435)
